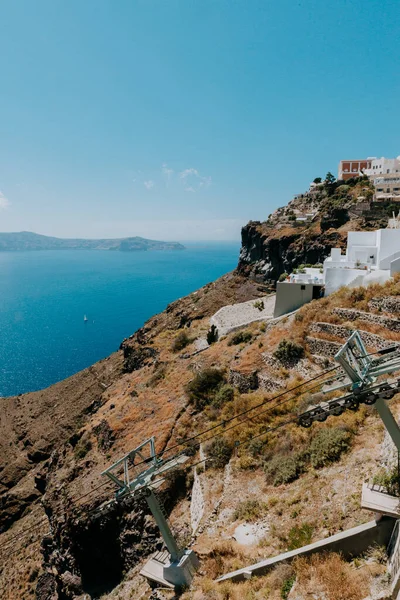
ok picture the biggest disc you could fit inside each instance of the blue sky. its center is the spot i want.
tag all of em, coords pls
(185, 119)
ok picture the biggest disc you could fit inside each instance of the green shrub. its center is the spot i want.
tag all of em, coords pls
(283, 276)
(82, 448)
(240, 337)
(220, 452)
(300, 536)
(289, 351)
(181, 341)
(224, 394)
(288, 583)
(249, 510)
(255, 447)
(389, 480)
(328, 445)
(203, 388)
(259, 304)
(284, 469)
(212, 335)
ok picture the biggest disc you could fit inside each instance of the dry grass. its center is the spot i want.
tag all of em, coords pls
(330, 575)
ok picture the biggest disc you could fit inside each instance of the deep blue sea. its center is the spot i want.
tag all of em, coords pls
(45, 295)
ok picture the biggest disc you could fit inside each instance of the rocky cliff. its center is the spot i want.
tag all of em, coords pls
(304, 231)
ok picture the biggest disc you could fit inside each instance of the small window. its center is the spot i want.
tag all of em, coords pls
(303, 287)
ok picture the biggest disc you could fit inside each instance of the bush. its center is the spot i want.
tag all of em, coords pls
(224, 394)
(389, 480)
(240, 337)
(212, 335)
(203, 388)
(82, 448)
(328, 445)
(289, 351)
(283, 276)
(255, 447)
(220, 452)
(284, 469)
(300, 536)
(259, 304)
(249, 510)
(288, 583)
(181, 341)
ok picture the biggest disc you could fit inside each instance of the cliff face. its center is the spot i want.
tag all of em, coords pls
(304, 231)
(265, 255)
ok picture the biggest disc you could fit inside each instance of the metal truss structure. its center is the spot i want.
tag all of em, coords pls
(180, 565)
(362, 372)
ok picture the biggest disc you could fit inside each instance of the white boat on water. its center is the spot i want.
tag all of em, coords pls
(85, 318)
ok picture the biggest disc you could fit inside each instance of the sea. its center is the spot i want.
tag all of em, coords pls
(45, 295)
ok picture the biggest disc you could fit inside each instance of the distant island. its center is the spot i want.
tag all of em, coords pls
(26, 240)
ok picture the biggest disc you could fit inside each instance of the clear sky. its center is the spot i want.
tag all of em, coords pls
(185, 119)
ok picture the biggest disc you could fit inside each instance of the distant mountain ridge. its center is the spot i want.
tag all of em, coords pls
(27, 240)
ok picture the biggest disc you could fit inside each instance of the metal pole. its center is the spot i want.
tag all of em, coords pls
(388, 421)
(163, 526)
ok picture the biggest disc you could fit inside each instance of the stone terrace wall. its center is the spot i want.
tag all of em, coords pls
(370, 339)
(390, 304)
(351, 314)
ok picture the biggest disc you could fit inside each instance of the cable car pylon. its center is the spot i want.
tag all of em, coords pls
(362, 372)
(175, 568)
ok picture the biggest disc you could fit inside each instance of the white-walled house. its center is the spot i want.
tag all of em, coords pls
(371, 257)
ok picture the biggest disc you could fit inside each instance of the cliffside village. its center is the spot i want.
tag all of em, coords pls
(370, 257)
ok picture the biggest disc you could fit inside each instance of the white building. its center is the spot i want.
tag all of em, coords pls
(383, 166)
(371, 257)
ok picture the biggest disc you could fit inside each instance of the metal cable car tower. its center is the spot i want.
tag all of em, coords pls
(361, 381)
(176, 567)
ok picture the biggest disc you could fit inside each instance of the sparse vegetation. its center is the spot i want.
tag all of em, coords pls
(212, 335)
(82, 448)
(328, 446)
(259, 304)
(284, 469)
(224, 394)
(289, 351)
(204, 387)
(300, 535)
(240, 337)
(336, 579)
(250, 510)
(181, 341)
(220, 451)
(390, 480)
(287, 586)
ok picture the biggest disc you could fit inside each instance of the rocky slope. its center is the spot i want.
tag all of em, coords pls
(55, 443)
(294, 485)
(326, 213)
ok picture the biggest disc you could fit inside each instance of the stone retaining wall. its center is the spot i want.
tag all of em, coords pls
(244, 382)
(350, 314)
(197, 503)
(390, 304)
(322, 347)
(370, 339)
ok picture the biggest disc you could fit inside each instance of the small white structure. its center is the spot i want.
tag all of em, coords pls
(394, 222)
(371, 257)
